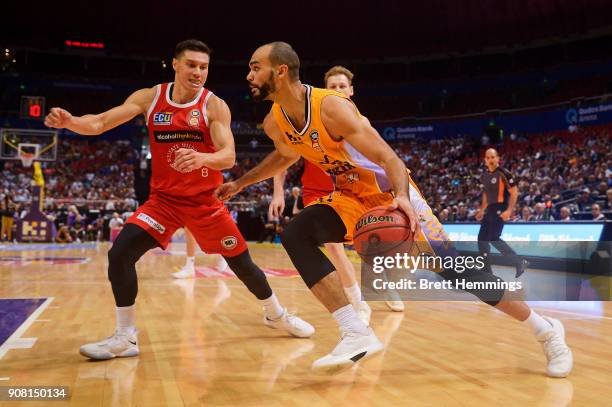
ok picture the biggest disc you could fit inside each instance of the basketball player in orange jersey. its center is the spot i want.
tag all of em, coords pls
(188, 269)
(316, 184)
(191, 142)
(326, 128)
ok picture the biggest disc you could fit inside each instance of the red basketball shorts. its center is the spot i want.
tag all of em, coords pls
(206, 217)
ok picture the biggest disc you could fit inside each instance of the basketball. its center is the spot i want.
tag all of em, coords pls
(382, 232)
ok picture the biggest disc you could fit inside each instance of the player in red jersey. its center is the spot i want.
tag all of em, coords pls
(191, 142)
(316, 184)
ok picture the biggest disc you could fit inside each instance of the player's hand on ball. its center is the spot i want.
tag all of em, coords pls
(187, 160)
(479, 215)
(57, 118)
(505, 215)
(226, 191)
(403, 204)
(277, 206)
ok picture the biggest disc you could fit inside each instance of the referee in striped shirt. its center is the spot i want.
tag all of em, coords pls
(498, 201)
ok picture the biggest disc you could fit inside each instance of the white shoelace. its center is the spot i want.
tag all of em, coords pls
(554, 346)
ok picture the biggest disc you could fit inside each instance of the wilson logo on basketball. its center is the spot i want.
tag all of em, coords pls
(373, 219)
(229, 242)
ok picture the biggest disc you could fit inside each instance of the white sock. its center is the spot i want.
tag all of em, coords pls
(537, 324)
(348, 320)
(126, 317)
(353, 293)
(272, 307)
(189, 262)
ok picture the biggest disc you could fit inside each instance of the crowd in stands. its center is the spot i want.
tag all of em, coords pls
(561, 176)
(88, 183)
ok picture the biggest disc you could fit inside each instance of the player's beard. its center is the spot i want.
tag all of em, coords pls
(265, 89)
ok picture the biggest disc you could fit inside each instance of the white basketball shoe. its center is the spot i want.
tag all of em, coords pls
(119, 345)
(352, 348)
(558, 354)
(290, 323)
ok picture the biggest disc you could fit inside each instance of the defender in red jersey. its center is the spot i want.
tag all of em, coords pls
(191, 142)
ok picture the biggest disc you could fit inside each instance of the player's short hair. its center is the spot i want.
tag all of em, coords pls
(339, 70)
(191, 45)
(282, 53)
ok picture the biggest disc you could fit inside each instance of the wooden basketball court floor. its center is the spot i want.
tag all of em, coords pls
(202, 341)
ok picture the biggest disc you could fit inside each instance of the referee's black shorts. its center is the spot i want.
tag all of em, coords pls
(492, 224)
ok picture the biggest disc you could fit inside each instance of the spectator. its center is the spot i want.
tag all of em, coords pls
(565, 214)
(526, 215)
(234, 214)
(583, 200)
(596, 212)
(7, 211)
(116, 221)
(462, 213)
(443, 216)
(63, 234)
(77, 232)
(542, 213)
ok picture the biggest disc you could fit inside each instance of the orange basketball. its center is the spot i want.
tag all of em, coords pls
(382, 232)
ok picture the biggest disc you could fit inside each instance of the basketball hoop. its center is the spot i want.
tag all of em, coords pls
(27, 153)
(27, 159)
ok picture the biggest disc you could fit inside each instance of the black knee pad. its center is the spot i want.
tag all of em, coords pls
(301, 239)
(250, 274)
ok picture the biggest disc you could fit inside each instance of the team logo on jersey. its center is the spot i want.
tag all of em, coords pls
(194, 119)
(314, 140)
(294, 138)
(493, 180)
(352, 177)
(162, 118)
(229, 242)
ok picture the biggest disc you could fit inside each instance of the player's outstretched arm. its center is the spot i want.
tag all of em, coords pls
(219, 119)
(342, 121)
(94, 124)
(278, 160)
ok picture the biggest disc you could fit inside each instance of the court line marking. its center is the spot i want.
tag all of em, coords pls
(577, 314)
(43, 320)
(15, 341)
(5, 378)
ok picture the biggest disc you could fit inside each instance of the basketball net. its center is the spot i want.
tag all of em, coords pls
(27, 159)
